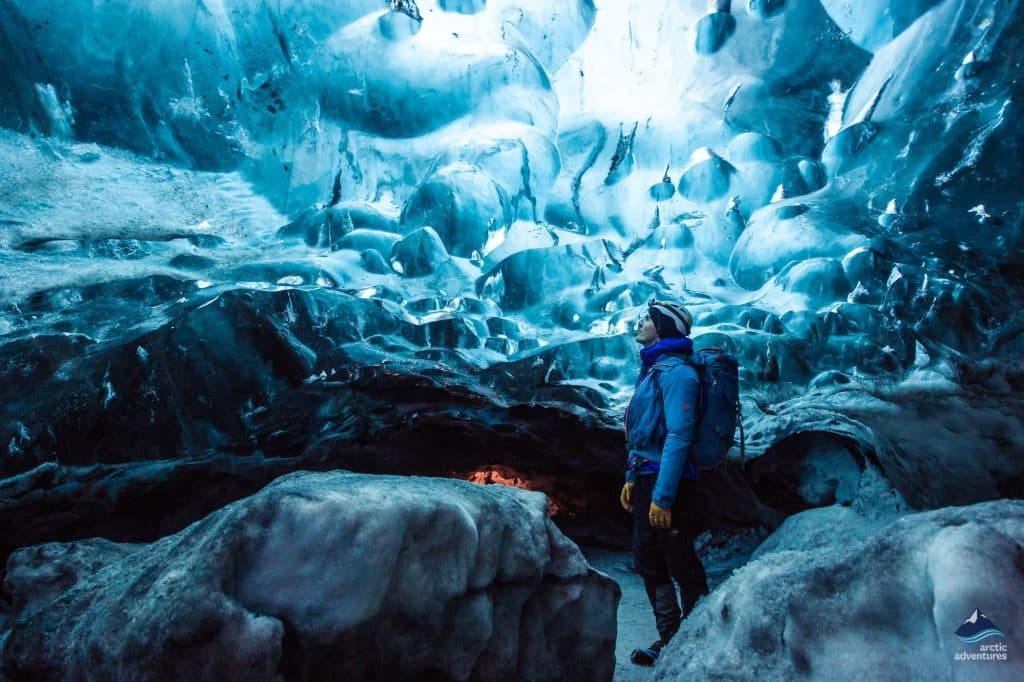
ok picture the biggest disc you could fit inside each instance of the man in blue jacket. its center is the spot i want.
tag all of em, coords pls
(660, 427)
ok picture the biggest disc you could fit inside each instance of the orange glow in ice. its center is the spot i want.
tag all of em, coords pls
(502, 475)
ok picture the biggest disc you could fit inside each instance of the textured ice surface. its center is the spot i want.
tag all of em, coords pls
(321, 573)
(883, 606)
(828, 186)
(499, 187)
(874, 23)
(215, 215)
(871, 505)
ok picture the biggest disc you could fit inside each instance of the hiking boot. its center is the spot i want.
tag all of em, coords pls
(647, 657)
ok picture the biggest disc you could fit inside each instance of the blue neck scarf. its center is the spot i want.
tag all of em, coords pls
(676, 345)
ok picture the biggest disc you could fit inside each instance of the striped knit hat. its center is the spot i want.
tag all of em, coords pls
(670, 319)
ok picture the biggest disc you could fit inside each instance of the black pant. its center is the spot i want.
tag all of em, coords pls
(664, 554)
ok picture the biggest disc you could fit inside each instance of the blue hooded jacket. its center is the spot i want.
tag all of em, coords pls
(664, 436)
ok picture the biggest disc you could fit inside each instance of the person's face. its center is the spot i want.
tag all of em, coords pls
(646, 333)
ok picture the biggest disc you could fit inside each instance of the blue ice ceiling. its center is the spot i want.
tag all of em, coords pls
(490, 191)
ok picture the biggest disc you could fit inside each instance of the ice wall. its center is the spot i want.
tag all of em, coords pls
(829, 186)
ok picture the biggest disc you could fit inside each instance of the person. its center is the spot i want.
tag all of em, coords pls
(660, 479)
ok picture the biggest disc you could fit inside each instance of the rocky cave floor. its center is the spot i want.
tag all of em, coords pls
(635, 620)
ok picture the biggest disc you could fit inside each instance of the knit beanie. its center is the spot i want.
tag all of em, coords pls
(671, 320)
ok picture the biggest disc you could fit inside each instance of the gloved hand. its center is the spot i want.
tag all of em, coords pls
(626, 496)
(660, 517)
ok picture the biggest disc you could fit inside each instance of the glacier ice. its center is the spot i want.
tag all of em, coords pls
(713, 30)
(317, 573)
(881, 605)
(875, 23)
(310, 229)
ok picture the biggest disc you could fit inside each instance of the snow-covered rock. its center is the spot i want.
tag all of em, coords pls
(324, 575)
(39, 574)
(884, 608)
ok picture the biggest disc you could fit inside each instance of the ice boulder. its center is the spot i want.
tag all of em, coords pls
(706, 178)
(362, 240)
(821, 280)
(887, 607)
(316, 226)
(524, 278)
(321, 576)
(713, 30)
(325, 226)
(754, 147)
(772, 240)
(463, 204)
(811, 173)
(420, 253)
(373, 262)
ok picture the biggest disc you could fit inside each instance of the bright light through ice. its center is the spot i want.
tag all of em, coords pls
(494, 240)
(836, 104)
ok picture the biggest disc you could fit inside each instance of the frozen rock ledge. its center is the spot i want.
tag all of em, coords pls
(323, 576)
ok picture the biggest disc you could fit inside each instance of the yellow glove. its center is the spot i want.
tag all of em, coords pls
(626, 497)
(660, 517)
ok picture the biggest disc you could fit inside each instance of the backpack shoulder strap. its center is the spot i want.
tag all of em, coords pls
(667, 362)
(664, 367)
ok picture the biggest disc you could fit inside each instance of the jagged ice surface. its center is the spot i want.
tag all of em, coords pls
(509, 148)
(214, 216)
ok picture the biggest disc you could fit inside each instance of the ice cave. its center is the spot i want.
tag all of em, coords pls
(320, 321)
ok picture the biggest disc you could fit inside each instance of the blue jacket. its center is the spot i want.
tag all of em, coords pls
(662, 436)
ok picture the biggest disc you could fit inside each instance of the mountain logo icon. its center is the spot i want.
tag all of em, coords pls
(977, 628)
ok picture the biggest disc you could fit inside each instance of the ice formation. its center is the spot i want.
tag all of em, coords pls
(243, 238)
(492, 169)
(883, 606)
(443, 578)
